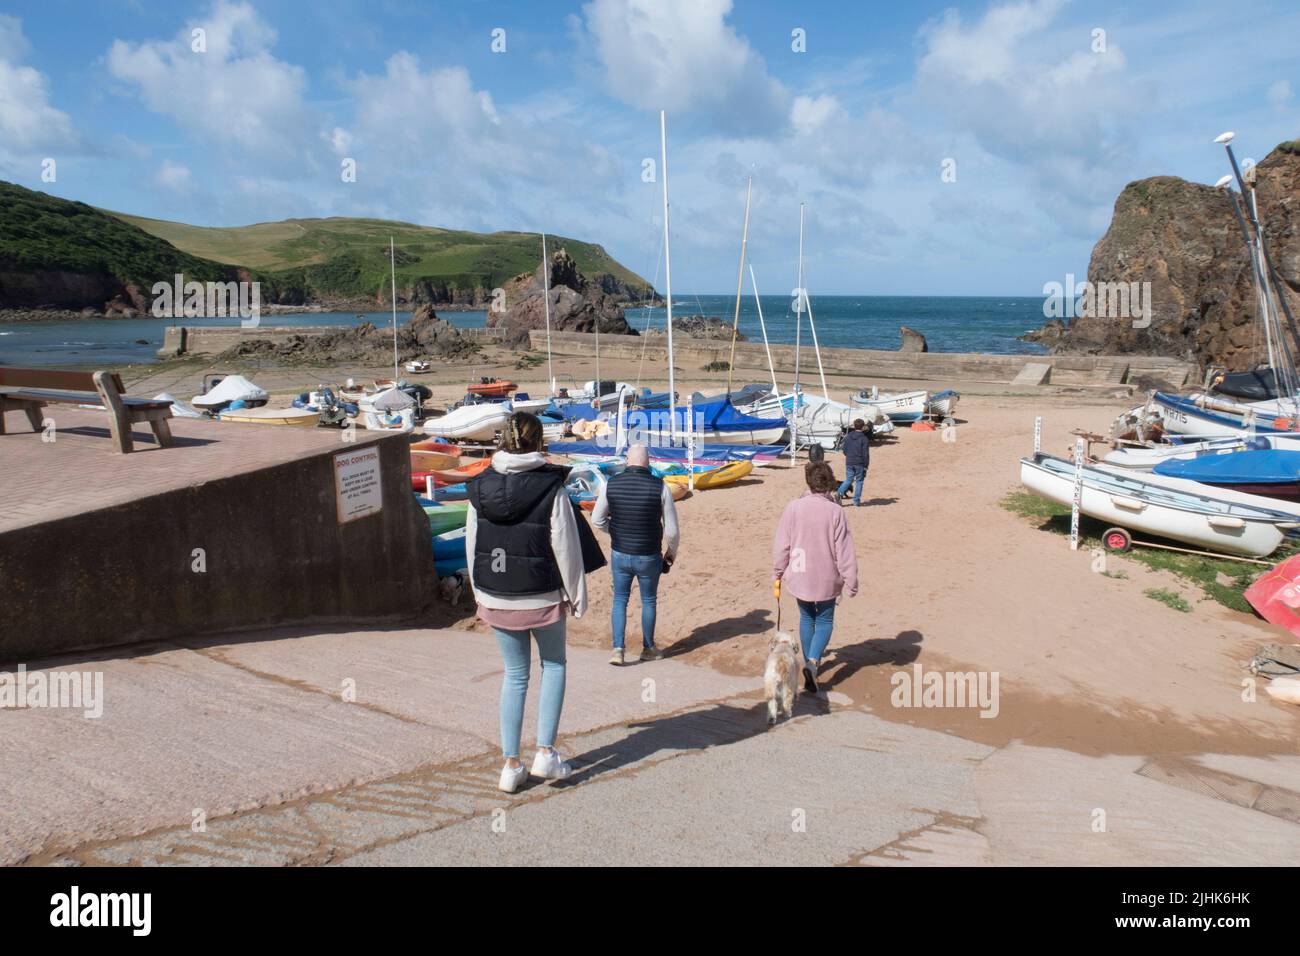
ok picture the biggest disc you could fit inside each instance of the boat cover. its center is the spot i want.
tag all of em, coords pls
(232, 388)
(1271, 467)
(1257, 385)
(715, 416)
(392, 400)
(703, 450)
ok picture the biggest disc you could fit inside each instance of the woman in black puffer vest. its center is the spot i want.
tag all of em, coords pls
(526, 569)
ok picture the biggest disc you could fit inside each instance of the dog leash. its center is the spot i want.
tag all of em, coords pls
(776, 590)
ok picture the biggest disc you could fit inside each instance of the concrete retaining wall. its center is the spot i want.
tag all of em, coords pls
(694, 354)
(204, 340)
(275, 554)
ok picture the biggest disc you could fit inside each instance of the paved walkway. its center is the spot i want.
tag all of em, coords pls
(676, 766)
(92, 475)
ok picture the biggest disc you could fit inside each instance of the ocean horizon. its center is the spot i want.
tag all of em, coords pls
(949, 323)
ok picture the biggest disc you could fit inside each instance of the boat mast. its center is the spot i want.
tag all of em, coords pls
(798, 315)
(546, 300)
(776, 390)
(812, 324)
(740, 283)
(668, 280)
(392, 262)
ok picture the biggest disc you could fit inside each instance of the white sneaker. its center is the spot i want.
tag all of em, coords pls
(549, 766)
(512, 777)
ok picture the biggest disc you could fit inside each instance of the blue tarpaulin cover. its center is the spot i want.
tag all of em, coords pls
(704, 450)
(1237, 468)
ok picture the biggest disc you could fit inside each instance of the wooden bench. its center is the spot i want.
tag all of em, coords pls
(31, 389)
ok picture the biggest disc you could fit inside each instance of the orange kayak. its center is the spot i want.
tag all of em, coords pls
(497, 388)
(429, 444)
(453, 476)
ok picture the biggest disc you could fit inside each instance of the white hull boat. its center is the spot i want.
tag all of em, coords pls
(533, 406)
(821, 420)
(900, 407)
(1282, 510)
(476, 422)
(1184, 416)
(1208, 522)
(1144, 458)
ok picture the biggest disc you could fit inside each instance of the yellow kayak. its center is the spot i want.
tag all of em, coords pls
(722, 475)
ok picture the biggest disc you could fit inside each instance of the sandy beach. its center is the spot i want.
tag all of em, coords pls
(1086, 661)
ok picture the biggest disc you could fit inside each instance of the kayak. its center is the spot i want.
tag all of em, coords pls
(432, 460)
(271, 416)
(432, 444)
(493, 388)
(716, 477)
(453, 476)
(444, 516)
(450, 545)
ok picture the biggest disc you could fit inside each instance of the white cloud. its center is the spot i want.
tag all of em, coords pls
(235, 94)
(1280, 94)
(173, 176)
(30, 126)
(682, 56)
(13, 45)
(1039, 99)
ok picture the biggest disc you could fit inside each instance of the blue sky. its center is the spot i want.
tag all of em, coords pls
(1043, 120)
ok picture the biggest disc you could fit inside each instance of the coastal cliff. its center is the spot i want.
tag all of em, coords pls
(1182, 238)
(576, 304)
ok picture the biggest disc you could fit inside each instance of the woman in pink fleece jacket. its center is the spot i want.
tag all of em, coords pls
(813, 555)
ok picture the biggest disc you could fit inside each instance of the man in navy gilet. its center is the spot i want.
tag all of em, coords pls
(636, 508)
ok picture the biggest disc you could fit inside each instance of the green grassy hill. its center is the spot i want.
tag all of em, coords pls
(344, 257)
(42, 233)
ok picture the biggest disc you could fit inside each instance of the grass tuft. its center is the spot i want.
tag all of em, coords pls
(1222, 579)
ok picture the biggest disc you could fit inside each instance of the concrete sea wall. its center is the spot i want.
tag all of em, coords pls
(274, 553)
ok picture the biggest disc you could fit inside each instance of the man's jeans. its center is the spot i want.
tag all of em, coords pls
(856, 475)
(646, 568)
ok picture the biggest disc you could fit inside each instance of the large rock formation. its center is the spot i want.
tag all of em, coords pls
(1182, 238)
(425, 336)
(710, 327)
(576, 303)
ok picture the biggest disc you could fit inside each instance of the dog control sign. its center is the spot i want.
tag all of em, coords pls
(356, 484)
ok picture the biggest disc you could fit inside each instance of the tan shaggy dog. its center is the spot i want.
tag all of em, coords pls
(781, 675)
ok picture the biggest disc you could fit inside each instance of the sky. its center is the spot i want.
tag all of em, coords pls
(940, 149)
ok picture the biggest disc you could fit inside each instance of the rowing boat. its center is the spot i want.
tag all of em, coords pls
(1207, 520)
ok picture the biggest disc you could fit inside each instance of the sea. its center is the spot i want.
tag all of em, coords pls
(949, 324)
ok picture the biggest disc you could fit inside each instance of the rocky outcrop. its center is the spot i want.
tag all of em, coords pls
(425, 336)
(576, 303)
(1050, 335)
(913, 341)
(710, 327)
(1181, 245)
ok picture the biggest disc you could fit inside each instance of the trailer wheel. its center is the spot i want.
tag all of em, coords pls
(1117, 539)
